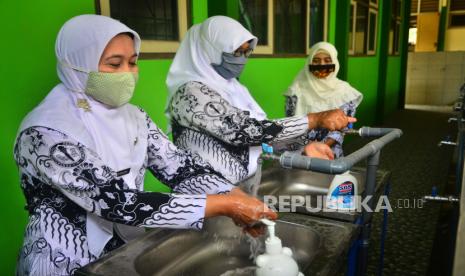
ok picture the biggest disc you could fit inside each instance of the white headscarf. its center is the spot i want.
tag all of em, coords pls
(110, 132)
(316, 95)
(203, 45)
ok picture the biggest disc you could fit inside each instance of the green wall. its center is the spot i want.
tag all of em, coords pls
(363, 75)
(268, 78)
(28, 74)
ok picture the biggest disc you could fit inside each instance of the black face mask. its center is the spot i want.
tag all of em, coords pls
(321, 71)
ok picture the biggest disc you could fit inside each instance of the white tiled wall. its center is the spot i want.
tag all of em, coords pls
(434, 78)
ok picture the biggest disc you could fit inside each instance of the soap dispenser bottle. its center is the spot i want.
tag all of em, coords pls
(342, 192)
(277, 260)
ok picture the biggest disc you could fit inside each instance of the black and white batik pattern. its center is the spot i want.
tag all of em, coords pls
(62, 180)
(221, 134)
(321, 134)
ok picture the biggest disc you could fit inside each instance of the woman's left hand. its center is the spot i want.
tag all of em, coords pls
(319, 150)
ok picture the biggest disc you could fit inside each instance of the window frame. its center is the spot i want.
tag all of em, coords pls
(396, 20)
(149, 46)
(269, 50)
(307, 25)
(353, 26)
(451, 13)
(371, 8)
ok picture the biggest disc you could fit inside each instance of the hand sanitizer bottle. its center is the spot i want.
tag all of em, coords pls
(277, 260)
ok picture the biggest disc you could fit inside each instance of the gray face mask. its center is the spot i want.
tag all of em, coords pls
(231, 66)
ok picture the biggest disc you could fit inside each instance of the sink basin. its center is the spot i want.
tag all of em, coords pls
(222, 249)
(310, 187)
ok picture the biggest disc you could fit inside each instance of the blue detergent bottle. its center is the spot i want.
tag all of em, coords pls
(342, 192)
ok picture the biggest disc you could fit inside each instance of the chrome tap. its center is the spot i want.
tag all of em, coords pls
(447, 143)
(434, 197)
(454, 119)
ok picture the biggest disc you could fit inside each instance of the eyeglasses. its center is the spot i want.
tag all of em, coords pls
(246, 53)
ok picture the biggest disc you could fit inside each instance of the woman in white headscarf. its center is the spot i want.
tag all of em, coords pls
(83, 152)
(211, 113)
(317, 88)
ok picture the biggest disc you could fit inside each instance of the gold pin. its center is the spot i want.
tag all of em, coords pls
(84, 104)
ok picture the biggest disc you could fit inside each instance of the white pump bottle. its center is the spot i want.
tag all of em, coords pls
(277, 260)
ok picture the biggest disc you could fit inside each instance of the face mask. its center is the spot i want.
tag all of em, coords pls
(321, 71)
(112, 89)
(231, 66)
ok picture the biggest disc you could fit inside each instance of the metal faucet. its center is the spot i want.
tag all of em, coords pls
(441, 198)
(447, 143)
(434, 197)
(454, 119)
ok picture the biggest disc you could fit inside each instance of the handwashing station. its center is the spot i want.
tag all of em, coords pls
(320, 241)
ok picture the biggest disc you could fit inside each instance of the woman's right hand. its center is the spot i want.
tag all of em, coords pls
(318, 150)
(245, 210)
(334, 119)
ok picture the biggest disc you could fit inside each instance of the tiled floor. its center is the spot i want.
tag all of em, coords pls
(417, 164)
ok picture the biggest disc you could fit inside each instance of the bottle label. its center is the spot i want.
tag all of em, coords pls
(342, 197)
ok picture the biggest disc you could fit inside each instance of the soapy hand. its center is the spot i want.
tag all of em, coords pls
(318, 150)
(245, 210)
(334, 119)
(256, 228)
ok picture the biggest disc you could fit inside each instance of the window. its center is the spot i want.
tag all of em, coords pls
(283, 26)
(372, 23)
(257, 17)
(363, 30)
(316, 21)
(394, 27)
(351, 28)
(289, 19)
(457, 20)
(160, 23)
(457, 13)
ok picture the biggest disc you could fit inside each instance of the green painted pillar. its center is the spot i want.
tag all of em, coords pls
(223, 7)
(216, 7)
(442, 29)
(332, 21)
(232, 7)
(385, 12)
(199, 11)
(341, 32)
(406, 4)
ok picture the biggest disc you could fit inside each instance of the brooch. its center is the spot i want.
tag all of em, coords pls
(84, 104)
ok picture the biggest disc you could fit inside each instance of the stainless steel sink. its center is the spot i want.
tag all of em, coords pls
(310, 187)
(222, 248)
